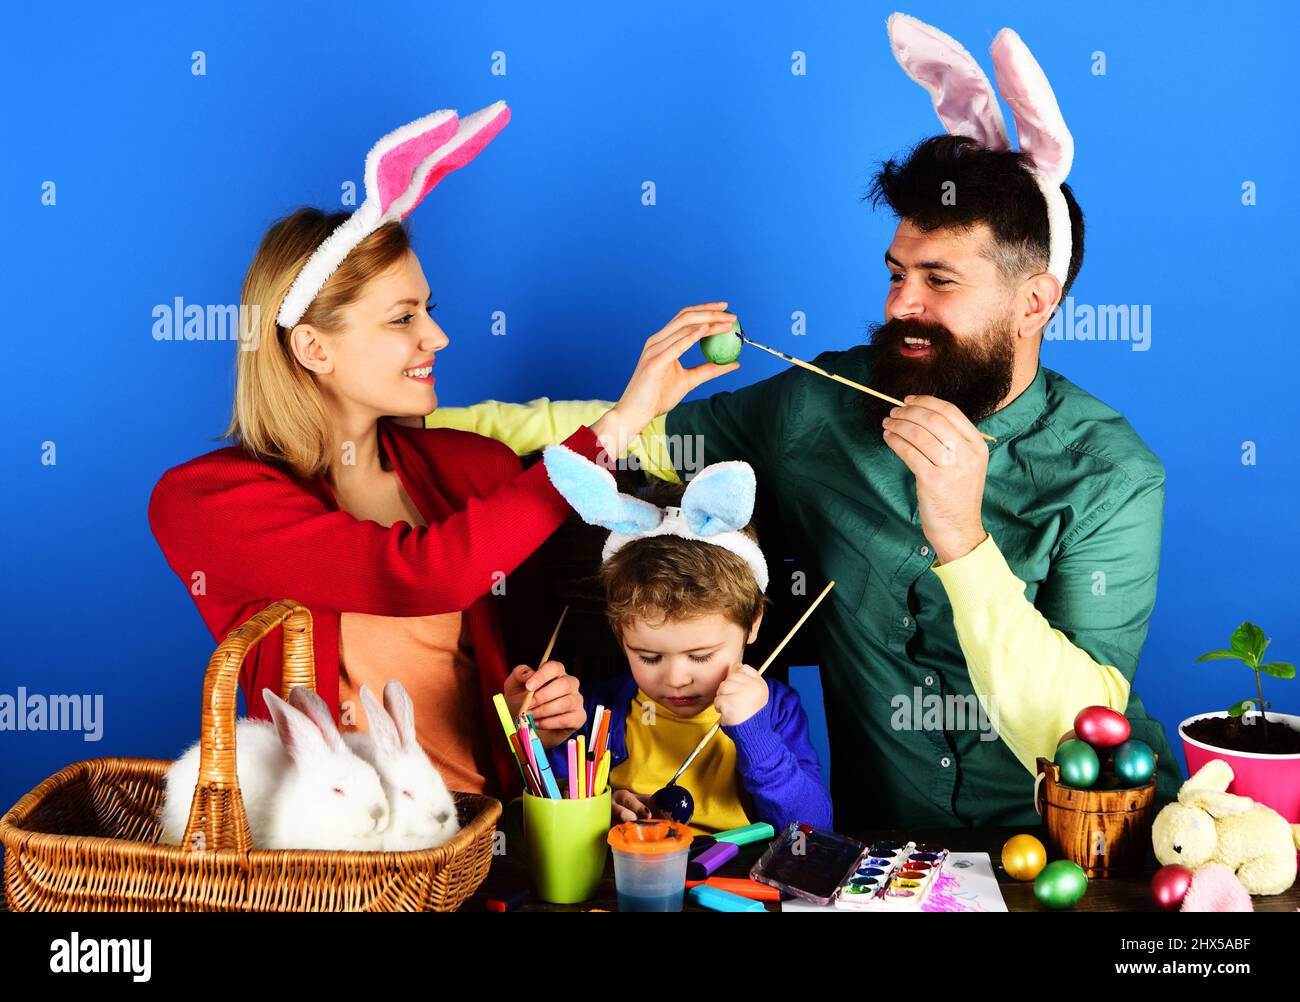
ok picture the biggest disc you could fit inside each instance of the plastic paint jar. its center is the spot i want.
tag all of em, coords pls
(650, 864)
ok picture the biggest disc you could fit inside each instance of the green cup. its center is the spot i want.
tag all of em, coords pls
(565, 843)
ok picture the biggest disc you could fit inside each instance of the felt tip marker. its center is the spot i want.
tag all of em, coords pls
(723, 901)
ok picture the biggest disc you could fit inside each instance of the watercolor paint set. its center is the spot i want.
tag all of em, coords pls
(893, 876)
(826, 868)
(809, 863)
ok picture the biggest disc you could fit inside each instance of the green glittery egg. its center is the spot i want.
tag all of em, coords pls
(724, 348)
(1079, 763)
(1135, 762)
(1060, 884)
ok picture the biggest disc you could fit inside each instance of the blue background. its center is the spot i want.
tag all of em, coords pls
(167, 181)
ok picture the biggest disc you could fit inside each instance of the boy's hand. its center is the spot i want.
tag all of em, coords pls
(741, 694)
(557, 705)
(625, 805)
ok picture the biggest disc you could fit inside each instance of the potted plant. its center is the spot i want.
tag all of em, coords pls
(1262, 748)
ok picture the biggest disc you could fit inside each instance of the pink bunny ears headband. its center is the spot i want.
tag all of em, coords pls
(967, 106)
(401, 169)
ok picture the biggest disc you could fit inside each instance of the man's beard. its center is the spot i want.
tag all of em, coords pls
(974, 373)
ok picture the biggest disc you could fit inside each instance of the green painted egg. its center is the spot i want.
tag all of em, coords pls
(724, 348)
(1135, 762)
(1060, 884)
(1079, 763)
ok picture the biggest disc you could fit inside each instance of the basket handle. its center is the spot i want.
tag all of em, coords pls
(1044, 765)
(217, 811)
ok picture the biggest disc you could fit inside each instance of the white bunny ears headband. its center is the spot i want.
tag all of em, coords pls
(967, 106)
(717, 504)
(401, 169)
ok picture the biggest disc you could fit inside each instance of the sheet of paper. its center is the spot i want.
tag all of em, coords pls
(967, 884)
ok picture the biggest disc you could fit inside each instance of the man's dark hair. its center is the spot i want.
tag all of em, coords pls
(988, 186)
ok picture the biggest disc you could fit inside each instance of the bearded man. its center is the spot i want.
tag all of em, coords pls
(986, 592)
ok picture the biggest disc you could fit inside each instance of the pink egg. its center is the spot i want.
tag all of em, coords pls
(1101, 727)
(1169, 886)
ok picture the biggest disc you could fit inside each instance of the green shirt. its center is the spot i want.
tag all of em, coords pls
(1074, 500)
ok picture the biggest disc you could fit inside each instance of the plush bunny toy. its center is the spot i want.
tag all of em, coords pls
(1206, 824)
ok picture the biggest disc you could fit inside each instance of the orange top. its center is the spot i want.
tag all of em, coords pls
(650, 838)
(433, 657)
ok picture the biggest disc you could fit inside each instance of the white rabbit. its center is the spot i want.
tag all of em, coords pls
(422, 811)
(302, 786)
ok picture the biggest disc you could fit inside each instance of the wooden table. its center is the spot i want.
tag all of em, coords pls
(1109, 895)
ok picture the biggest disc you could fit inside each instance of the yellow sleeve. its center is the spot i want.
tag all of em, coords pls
(530, 426)
(1031, 679)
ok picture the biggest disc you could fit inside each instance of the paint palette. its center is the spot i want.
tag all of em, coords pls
(893, 876)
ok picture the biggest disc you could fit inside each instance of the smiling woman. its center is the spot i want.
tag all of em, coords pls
(393, 536)
(280, 407)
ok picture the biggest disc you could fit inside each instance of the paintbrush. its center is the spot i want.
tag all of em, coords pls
(766, 664)
(528, 695)
(830, 375)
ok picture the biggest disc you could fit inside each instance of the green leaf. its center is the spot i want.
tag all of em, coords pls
(1278, 669)
(1222, 656)
(1248, 640)
(1237, 709)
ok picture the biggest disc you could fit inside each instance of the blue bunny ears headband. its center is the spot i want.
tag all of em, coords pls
(717, 504)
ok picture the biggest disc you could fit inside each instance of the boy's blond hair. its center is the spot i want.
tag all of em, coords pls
(670, 578)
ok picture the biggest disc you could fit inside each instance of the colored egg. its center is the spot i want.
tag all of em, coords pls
(1060, 884)
(1135, 762)
(674, 803)
(723, 348)
(1023, 857)
(1169, 886)
(1079, 764)
(1101, 726)
(1065, 737)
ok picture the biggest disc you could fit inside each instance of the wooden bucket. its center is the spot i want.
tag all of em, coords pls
(1107, 832)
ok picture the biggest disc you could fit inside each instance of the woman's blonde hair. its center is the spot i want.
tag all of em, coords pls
(279, 414)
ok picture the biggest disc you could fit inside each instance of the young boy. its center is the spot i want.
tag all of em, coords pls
(684, 604)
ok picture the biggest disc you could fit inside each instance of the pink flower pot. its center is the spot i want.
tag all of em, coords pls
(1273, 780)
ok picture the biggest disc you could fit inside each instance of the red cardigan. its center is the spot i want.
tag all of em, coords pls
(258, 534)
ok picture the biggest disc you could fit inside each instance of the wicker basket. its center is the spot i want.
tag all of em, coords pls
(86, 838)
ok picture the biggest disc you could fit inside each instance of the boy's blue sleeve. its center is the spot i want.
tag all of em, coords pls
(777, 763)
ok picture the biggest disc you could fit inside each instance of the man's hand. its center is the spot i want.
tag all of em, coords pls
(949, 460)
(625, 805)
(741, 694)
(557, 705)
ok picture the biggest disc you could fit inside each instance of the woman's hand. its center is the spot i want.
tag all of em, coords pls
(625, 805)
(659, 380)
(557, 708)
